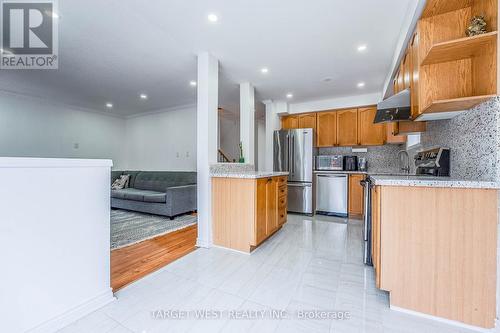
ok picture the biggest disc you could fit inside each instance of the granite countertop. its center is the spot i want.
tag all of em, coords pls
(429, 181)
(247, 174)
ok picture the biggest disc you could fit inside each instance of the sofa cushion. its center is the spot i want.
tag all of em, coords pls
(153, 196)
(138, 195)
(159, 181)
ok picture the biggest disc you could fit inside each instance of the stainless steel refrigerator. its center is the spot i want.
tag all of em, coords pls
(293, 152)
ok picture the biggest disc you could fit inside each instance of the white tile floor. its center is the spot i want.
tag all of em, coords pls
(311, 264)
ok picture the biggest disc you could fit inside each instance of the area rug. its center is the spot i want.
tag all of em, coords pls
(129, 228)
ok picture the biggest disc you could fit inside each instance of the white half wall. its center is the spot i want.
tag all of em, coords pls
(162, 141)
(54, 244)
(31, 127)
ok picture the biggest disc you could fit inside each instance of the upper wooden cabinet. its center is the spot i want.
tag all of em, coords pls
(289, 122)
(347, 127)
(448, 71)
(307, 120)
(370, 134)
(327, 129)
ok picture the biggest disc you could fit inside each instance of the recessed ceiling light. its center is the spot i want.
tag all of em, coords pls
(143, 96)
(362, 48)
(361, 85)
(264, 70)
(289, 95)
(212, 18)
(109, 105)
(192, 83)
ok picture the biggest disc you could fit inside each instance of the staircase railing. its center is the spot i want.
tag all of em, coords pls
(224, 158)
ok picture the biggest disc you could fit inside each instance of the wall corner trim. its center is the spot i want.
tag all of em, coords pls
(75, 313)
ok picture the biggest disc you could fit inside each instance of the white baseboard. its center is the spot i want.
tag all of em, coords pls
(441, 320)
(202, 243)
(74, 314)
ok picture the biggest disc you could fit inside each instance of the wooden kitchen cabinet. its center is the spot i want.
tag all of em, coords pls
(289, 122)
(347, 127)
(370, 134)
(392, 136)
(307, 120)
(326, 129)
(271, 205)
(245, 212)
(356, 195)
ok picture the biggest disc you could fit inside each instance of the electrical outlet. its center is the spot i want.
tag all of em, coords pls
(187, 154)
(76, 145)
(178, 155)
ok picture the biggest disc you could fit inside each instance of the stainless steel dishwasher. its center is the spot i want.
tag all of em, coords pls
(331, 194)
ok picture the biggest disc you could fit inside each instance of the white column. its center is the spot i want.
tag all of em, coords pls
(206, 141)
(247, 121)
(272, 124)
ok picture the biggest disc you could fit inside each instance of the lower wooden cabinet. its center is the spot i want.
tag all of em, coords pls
(356, 195)
(247, 211)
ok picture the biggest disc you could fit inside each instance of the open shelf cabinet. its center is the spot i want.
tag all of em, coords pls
(456, 72)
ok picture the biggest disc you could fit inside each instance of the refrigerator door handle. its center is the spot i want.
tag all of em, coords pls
(299, 185)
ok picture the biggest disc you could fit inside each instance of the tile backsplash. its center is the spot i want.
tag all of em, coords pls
(473, 140)
(380, 158)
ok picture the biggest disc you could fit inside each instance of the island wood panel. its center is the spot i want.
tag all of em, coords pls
(327, 129)
(271, 205)
(133, 262)
(233, 212)
(347, 127)
(370, 134)
(438, 254)
(261, 214)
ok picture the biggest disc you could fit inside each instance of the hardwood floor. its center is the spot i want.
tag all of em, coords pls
(130, 263)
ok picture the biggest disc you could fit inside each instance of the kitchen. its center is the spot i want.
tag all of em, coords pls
(420, 169)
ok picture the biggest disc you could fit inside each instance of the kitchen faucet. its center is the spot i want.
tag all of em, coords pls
(404, 161)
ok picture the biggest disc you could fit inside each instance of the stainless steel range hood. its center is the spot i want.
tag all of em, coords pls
(394, 108)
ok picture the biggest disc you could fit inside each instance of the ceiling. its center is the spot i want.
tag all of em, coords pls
(111, 51)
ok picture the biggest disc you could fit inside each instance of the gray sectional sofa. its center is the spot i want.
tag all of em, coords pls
(167, 193)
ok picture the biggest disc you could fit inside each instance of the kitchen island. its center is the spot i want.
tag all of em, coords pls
(247, 207)
(434, 246)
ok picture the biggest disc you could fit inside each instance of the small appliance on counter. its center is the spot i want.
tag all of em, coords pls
(433, 162)
(350, 163)
(330, 162)
(362, 164)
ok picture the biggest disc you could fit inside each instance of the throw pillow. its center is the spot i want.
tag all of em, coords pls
(121, 182)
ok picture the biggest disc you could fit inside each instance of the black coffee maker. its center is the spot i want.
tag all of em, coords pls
(350, 163)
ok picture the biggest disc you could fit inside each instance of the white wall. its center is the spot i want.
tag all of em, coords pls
(33, 128)
(54, 245)
(162, 141)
